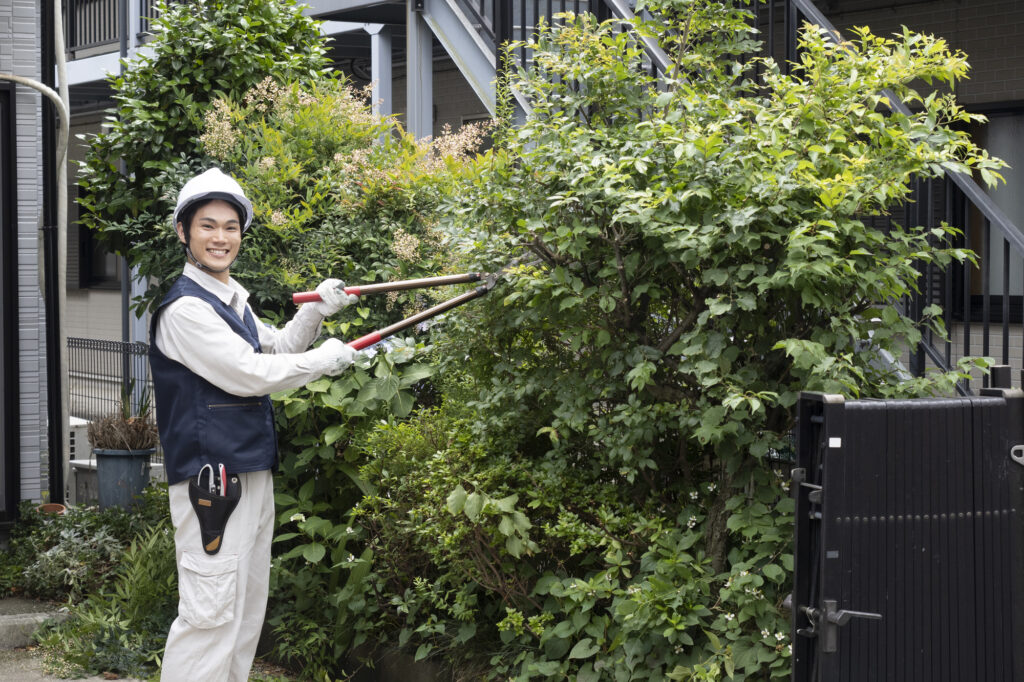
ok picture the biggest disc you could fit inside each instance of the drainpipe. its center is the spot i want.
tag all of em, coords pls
(126, 271)
(62, 255)
(133, 327)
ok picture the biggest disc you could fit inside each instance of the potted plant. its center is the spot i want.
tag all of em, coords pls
(122, 443)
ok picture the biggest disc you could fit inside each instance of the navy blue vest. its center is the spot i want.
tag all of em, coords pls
(200, 423)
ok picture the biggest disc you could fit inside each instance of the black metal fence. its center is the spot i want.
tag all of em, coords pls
(104, 375)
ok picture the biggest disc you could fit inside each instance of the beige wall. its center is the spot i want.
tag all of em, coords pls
(454, 99)
(92, 313)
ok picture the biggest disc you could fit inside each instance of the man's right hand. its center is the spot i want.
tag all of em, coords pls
(338, 356)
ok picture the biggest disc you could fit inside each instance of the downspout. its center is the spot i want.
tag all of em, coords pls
(56, 457)
(126, 271)
(62, 249)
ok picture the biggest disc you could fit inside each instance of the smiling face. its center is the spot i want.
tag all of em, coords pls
(215, 236)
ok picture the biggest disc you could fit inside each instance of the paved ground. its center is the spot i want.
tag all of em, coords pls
(20, 661)
(26, 665)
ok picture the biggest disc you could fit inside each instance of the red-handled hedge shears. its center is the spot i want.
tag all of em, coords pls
(401, 285)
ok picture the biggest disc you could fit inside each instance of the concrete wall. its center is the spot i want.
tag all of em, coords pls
(20, 54)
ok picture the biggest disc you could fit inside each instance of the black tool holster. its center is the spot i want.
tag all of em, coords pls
(213, 511)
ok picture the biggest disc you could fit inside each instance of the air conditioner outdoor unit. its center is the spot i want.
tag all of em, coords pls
(82, 485)
(78, 439)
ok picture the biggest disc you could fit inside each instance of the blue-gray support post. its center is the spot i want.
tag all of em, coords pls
(380, 69)
(419, 72)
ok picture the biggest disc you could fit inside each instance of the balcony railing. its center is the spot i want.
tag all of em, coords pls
(982, 316)
(92, 24)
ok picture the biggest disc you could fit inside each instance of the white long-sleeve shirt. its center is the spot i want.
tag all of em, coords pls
(192, 333)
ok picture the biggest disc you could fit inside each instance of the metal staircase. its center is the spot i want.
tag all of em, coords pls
(982, 305)
(978, 310)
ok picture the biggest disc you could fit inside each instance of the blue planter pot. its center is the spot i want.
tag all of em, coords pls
(121, 474)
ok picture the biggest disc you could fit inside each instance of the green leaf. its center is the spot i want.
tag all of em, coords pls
(507, 504)
(386, 387)
(333, 433)
(313, 552)
(514, 545)
(401, 404)
(361, 569)
(773, 573)
(415, 373)
(585, 648)
(320, 385)
(474, 503)
(457, 500)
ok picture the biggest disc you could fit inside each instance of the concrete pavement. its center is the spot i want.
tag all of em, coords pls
(26, 665)
(20, 661)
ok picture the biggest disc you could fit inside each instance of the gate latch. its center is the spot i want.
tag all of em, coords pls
(827, 620)
(1017, 454)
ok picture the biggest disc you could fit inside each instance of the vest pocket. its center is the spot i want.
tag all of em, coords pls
(206, 589)
(237, 427)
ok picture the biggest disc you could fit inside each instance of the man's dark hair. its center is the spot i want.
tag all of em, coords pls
(186, 216)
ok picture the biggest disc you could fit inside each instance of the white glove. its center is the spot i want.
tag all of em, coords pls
(332, 297)
(337, 356)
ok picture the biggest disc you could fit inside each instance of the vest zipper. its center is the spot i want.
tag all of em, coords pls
(250, 404)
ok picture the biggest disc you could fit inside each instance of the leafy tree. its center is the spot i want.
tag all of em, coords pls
(150, 145)
(613, 484)
(336, 191)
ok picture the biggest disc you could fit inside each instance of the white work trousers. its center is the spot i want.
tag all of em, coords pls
(222, 598)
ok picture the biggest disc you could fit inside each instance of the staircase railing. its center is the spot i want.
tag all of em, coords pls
(976, 302)
(982, 305)
(95, 23)
(982, 312)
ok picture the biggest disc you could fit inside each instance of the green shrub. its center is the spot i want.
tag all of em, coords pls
(69, 556)
(200, 51)
(122, 626)
(603, 496)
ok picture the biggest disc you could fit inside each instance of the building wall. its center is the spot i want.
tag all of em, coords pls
(92, 313)
(20, 54)
(454, 100)
(988, 31)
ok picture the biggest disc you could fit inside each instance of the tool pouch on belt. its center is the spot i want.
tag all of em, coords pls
(213, 511)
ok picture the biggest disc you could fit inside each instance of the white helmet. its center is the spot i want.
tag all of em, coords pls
(214, 184)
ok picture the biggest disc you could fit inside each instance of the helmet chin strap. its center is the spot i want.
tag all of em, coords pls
(207, 268)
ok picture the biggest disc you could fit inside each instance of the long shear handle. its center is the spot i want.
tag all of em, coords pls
(373, 337)
(362, 290)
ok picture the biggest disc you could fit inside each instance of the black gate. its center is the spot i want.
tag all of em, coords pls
(909, 562)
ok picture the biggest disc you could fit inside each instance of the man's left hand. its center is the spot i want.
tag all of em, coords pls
(333, 297)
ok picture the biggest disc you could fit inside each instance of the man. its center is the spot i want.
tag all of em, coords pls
(214, 367)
